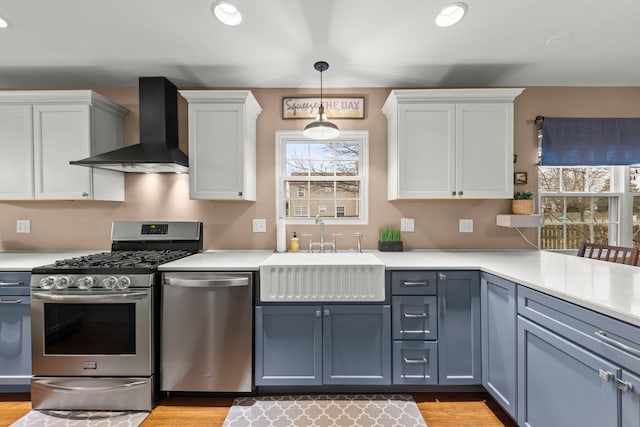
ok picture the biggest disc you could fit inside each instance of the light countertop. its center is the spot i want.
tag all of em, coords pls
(219, 261)
(606, 287)
(25, 261)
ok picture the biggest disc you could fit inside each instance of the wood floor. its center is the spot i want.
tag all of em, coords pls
(438, 410)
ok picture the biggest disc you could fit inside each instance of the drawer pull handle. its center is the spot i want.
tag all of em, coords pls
(415, 315)
(603, 336)
(15, 301)
(408, 361)
(413, 283)
(12, 283)
(624, 386)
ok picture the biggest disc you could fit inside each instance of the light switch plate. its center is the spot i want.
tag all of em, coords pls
(466, 226)
(260, 225)
(407, 224)
(23, 226)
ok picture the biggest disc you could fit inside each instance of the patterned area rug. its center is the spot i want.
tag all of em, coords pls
(362, 410)
(81, 419)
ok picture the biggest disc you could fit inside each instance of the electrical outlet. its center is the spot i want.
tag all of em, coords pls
(407, 224)
(23, 226)
(259, 225)
(466, 226)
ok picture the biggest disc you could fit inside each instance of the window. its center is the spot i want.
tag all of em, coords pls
(300, 211)
(580, 204)
(328, 178)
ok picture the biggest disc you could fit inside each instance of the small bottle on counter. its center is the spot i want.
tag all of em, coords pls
(295, 243)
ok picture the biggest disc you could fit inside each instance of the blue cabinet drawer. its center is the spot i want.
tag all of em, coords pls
(413, 283)
(415, 362)
(415, 317)
(611, 338)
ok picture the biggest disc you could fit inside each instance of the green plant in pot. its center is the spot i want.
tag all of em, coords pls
(390, 240)
(522, 203)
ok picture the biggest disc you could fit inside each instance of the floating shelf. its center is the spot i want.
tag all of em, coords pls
(534, 220)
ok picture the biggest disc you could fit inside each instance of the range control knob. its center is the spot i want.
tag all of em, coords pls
(47, 282)
(123, 282)
(110, 282)
(86, 282)
(62, 282)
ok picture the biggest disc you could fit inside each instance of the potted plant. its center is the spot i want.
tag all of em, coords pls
(522, 203)
(390, 240)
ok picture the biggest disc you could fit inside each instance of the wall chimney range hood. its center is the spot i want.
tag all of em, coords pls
(158, 150)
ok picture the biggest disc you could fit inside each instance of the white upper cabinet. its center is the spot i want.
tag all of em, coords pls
(222, 144)
(42, 131)
(450, 143)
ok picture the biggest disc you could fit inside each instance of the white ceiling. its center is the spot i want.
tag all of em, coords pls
(368, 43)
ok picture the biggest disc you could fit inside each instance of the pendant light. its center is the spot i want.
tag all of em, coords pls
(321, 129)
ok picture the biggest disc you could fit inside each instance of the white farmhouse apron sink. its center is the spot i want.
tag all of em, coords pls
(322, 277)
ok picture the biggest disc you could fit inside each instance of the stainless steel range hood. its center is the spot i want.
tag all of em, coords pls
(158, 150)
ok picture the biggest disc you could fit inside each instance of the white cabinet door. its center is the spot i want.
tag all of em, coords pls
(61, 134)
(216, 146)
(426, 151)
(484, 151)
(16, 146)
(222, 144)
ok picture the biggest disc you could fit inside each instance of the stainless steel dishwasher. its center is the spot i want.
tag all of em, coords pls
(206, 339)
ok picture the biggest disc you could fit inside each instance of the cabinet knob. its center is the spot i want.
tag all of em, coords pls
(605, 375)
(442, 276)
(326, 312)
(453, 193)
(318, 313)
(460, 193)
(85, 194)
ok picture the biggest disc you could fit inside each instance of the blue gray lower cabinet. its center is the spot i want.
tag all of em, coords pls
(498, 313)
(323, 344)
(15, 336)
(459, 343)
(630, 404)
(562, 384)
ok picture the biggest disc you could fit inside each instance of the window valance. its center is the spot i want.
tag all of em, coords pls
(590, 141)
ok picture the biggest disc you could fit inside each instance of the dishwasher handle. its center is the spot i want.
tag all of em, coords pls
(213, 282)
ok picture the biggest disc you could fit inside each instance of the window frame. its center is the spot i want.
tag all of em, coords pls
(620, 206)
(361, 137)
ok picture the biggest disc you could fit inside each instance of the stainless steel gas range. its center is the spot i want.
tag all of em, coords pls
(95, 320)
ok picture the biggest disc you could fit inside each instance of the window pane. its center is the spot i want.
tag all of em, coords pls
(634, 180)
(577, 233)
(548, 179)
(553, 209)
(552, 237)
(578, 209)
(574, 179)
(601, 234)
(321, 151)
(601, 209)
(297, 167)
(324, 208)
(347, 151)
(322, 168)
(347, 168)
(297, 151)
(599, 180)
(347, 189)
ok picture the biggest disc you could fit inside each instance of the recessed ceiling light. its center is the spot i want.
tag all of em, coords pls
(3, 23)
(451, 14)
(226, 12)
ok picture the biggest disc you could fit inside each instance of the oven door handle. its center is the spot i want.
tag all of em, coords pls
(83, 389)
(213, 283)
(88, 298)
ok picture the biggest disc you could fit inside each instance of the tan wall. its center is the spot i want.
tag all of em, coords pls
(227, 225)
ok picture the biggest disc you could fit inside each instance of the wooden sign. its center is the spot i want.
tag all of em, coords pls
(334, 107)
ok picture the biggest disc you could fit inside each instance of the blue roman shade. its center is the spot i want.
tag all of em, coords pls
(590, 142)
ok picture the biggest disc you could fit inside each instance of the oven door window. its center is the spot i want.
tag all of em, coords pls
(90, 328)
